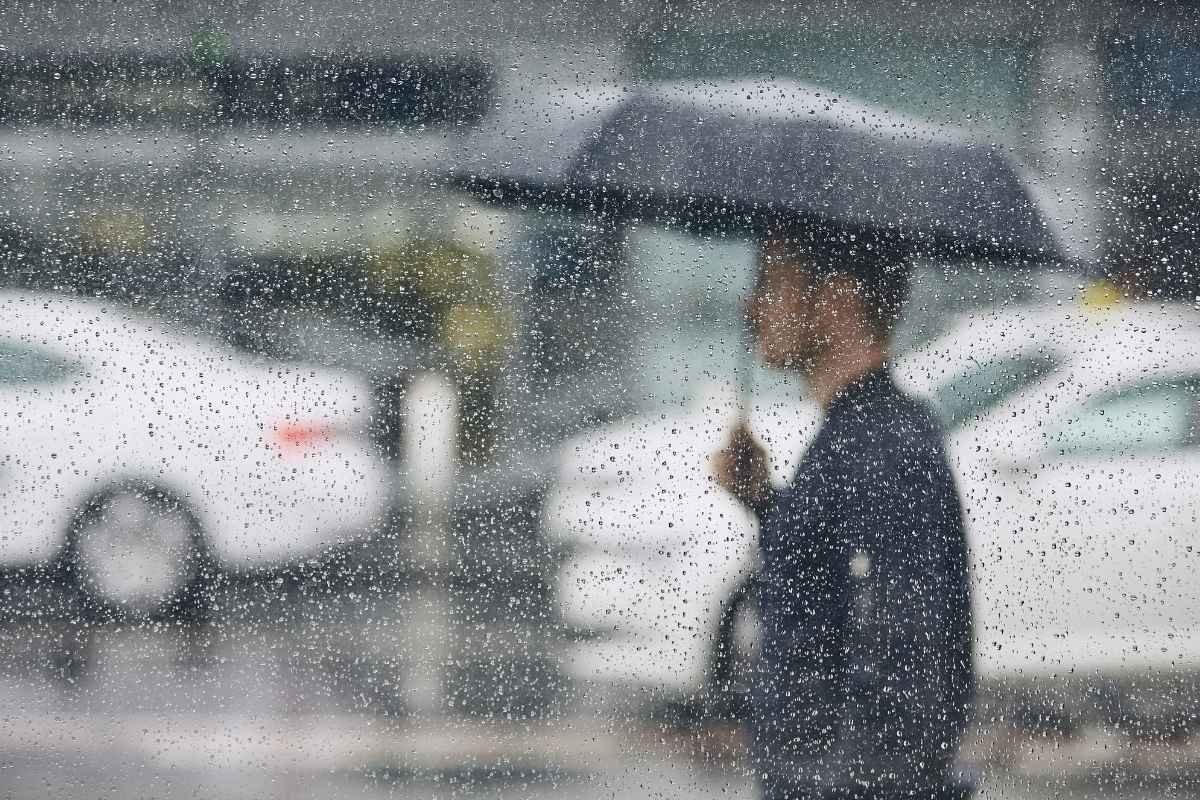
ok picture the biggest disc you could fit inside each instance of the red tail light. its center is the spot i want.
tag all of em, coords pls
(294, 437)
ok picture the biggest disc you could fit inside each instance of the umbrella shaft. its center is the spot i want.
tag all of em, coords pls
(745, 373)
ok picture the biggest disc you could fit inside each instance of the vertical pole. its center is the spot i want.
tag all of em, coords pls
(210, 240)
(430, 462)
(1069, 138)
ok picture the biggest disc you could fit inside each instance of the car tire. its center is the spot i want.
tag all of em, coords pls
(733, 657)
(136, 552)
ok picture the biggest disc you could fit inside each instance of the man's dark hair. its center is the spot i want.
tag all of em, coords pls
(885, 292)
(878, 264)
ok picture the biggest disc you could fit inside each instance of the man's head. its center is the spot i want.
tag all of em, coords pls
(816, 297)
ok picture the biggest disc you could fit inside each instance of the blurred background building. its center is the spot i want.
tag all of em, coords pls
(268, 159)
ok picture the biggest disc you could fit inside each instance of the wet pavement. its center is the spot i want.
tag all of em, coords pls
(306, 692)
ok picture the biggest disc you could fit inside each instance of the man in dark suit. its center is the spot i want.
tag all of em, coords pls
(865, 679)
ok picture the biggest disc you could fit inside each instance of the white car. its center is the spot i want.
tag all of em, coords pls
(658, 557)
(1075, 435)
(137, 458)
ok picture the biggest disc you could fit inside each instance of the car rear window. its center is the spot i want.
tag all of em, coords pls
(1152, 417)
(987, 384)
(21, 364)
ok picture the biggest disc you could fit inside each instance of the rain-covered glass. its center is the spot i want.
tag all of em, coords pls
(599, 399)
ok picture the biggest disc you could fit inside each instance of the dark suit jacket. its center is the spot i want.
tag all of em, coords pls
(866, 672)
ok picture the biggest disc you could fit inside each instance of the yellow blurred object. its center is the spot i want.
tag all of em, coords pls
(115, 231)
(458, 285)
(1101, 295)
(475, 333)
(440, 271)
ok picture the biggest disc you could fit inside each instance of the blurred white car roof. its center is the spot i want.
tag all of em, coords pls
(1116, 336)
(87, 324)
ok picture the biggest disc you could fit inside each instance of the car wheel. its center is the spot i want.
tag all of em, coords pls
(735, 652)
(137, 552)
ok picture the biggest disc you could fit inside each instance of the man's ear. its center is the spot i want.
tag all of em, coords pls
(843, 304)
(839, 292)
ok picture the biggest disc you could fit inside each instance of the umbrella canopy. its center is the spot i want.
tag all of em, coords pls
(749, 153)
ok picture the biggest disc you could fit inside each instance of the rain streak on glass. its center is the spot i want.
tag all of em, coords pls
(599, 399)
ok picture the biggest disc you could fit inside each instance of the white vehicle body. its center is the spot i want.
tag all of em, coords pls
(272, 459)
(1077, 465)
(655, 548)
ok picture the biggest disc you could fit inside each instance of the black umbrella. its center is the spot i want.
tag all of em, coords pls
(748, 154)
(758, 155)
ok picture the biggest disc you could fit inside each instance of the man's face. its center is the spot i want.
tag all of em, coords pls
(784, 310)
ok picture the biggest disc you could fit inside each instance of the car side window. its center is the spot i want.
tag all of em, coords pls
(1156, 416)
(22, 365)
(987, 384)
